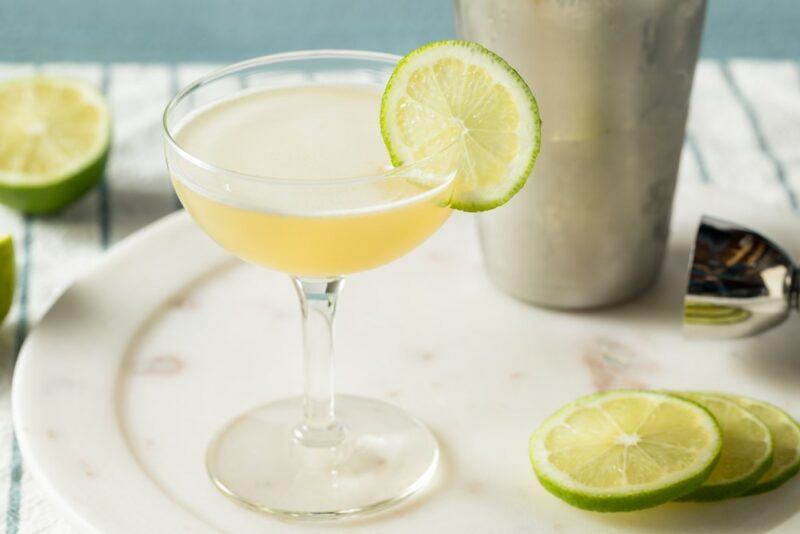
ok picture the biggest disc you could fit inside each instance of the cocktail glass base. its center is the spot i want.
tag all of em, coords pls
(384, 457)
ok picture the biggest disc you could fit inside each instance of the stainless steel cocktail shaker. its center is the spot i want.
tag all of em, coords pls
(613, 79)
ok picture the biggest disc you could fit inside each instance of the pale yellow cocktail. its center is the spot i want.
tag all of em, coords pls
(312, 134)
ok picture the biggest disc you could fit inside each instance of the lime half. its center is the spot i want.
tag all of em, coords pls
(625, 450)
(746, 449)
(785, 440)
(54, 140)
(458, 98)
(7, 275)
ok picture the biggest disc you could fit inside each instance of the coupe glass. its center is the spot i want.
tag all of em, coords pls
(316, 455)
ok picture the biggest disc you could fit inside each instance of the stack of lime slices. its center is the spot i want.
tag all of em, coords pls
(630, 449)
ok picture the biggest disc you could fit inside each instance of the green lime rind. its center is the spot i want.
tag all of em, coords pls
(721, 492)
(634, 499)
(786, 440)
(47, 193)
(7, 275)
(625, 502)
(50, 197)
(709, 492)
(714, 314)
(773, 482)
(515, 183)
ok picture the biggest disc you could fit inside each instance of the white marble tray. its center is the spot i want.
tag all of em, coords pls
(120, 387)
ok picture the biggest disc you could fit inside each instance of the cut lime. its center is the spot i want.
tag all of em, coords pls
(7, 275)
(54, 140)
(625, 450)
(746, 449)
(785, 440)
(458, 98)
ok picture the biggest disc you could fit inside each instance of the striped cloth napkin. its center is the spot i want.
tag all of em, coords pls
(743, 135)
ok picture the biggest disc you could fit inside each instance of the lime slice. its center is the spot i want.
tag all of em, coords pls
(625, 450)
(7, 275)
(460, 99)
(746, 449)
(54, 139)
(785, 440)
(694, 313)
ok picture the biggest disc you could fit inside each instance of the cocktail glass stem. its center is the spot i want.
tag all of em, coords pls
(318, 298)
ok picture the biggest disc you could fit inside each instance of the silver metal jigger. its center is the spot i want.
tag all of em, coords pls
(740, 283)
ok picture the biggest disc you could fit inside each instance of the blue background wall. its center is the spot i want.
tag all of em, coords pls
(225, 30)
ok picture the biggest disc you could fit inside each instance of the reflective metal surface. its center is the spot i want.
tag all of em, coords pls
(613, 79)
(740, 283)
